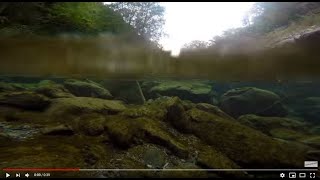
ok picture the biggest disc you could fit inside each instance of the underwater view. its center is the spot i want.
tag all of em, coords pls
(85, 92)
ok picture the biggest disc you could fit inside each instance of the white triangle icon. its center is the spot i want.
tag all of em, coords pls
(7, 175)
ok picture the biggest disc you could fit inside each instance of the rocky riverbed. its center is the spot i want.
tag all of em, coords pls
(182, 125)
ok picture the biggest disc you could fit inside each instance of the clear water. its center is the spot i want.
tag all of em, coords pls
(128, 109)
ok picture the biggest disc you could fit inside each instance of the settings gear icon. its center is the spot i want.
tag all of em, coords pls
(282, 175)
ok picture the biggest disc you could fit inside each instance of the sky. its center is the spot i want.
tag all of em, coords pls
(188, 21)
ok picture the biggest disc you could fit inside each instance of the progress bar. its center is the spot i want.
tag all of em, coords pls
(78, 169)
(198, 169)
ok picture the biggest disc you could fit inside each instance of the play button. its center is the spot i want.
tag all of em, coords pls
(7, 175)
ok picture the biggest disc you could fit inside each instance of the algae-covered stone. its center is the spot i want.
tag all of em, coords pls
(4, 87)
(250, 100)
(313, 141)
(91, 124)
(25, 99)
(287, 134)
(187, 90)
(87, 89)
(150, 155)
(63, 130)
(277, 127)
(213, 109)
(126, 133)
(81, 105)
(52, 89)
(245, 146)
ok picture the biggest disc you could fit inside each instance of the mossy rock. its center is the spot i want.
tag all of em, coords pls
(59, 130)
(126, 133)
(210, 158)
(266, 124)
(194, 91)
(52, 89)
(150, 110)
(91, 124)
(245, 146)
(313, 141)
(5, 87)
(212, 109)
(250, 100)
(25, 100)
(86, 89)
(286, 134)
(61, 107)
(152, 156)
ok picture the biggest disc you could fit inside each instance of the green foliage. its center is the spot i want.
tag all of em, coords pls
(61, 17)
(146, 17)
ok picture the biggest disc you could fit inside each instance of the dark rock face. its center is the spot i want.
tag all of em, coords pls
(87, 89)
(25, 99)
(250, 100)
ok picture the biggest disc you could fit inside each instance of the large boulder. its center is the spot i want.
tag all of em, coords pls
(244, 145)
(250, 100)
(63, 107)
(194, 91)
(86, 89)
(52, 89)
(25, 100)
(265, 124)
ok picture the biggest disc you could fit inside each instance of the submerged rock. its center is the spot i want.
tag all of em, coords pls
(82, 105)
(25, 100)
(309, 108)
(62, 130)
(245, 146)
(150, 155)
(87, 89)
(250, 100)
(187, 90)
(4, 87)
(313, 141)
(279, 127)
(212, 109)
(52, 89)
(91, 124)
(126, 133)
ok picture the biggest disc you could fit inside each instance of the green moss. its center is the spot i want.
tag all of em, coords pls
(91, 124)
(266, 124)
(194, 91)
(286, 134)
(126, 132)
(61, 107)
(86, 89)
(52, 89)
(313, 141)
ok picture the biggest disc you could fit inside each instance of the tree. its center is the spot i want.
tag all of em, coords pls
(146, 17)
(195, 44)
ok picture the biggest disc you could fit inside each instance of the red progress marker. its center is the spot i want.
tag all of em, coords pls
(41, 169)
